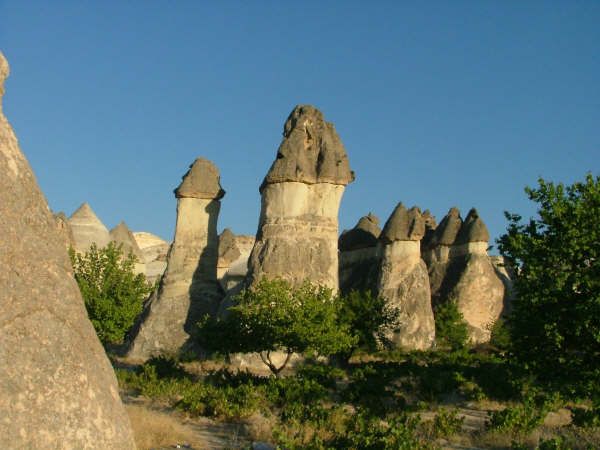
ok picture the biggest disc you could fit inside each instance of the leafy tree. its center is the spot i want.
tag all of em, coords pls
(451, 330)
(113, 293)
(555, 324)
(369, 317)
(274, 316)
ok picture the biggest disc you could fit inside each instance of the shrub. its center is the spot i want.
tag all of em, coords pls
(113, 293)
(274, 316)
(451, 331)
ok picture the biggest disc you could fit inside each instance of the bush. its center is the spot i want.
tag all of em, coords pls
(274, 316)
(113, 293)
(555, 324)
(451, 331)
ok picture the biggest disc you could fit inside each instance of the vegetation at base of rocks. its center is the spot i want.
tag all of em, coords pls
(274, 316)
(112, 292)
(555, 323)
(451, 330)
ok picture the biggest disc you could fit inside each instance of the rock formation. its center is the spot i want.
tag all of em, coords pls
(189, 287)
(478, 291)
(460, 270)
(64, 229)
(87, 229)
(403, 279)
(300, 198)
(359, 256)
(121, 235)
(154, 253)
(232, 264)
(57, 387)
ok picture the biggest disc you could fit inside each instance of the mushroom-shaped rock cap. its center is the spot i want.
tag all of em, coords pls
(473, 229)
(201, 181)
(403, 225)
(121, 234)
(310, 152)
(430, 223)
(228, 249)
(363, 235)
(447, 230)
(4, 72)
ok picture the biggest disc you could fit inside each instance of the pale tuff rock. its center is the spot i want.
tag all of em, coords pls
(189, 287)
(403, 279)
(359, 255)
(232, 263)
(460, 270)
(364, 234)
(300, 197)
(154, 252)
(57, 387)
(62, 223)
(87, 229)
(122, 236)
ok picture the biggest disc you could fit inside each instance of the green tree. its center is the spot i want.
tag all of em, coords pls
(451, 330)
(274, 316)
(113, 293)
(555, 324)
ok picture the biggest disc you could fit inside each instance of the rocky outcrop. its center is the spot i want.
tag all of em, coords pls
(403, 279)
(154, 254)
(359, 256)
(460, 270)
(57, 387)
(189, 287)
(87, 229)
(121, 235)
(62, 223)
(300, 198)
(232, 263)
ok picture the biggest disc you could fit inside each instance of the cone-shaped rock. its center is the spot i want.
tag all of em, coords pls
(364, 234)
(447, 230)
(154, 250)
(473, 230)
(123, 236)
(87, 229)
(189, 287)
(64, 229)
(57, 387)
(232, 265)
(359, 256)
(300, 198)
(403, 279)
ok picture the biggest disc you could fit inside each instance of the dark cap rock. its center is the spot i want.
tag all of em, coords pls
(228, 249)
(473, 229)
(363, 235)
(403, 225)
(447, 230)
(201, 181)
(311, 151)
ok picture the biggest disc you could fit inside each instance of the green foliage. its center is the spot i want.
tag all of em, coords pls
(523, 418)
(113, 293)
(274, 316)
(500, 335)
(586, 418)
(369, 317)
(451, 330)
(555, 323)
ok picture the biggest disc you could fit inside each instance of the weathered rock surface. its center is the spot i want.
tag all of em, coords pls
(232, 263)
(57, 387)
(403, 279)
(154, 251)
(121, 235)
(62, 223)
(189, 287)
(87, 229)
(297, 235)
(359, 256)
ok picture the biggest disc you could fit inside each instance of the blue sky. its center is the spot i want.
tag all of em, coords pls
(439, 104)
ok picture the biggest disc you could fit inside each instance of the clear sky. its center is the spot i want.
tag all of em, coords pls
(439, 104)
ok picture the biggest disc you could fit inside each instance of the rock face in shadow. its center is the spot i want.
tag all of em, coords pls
(359, 257)
(232, 264)
(300, 198)
(189, 287)
(403, 279)
(87, 229)
(57, 387)
(460, 270)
